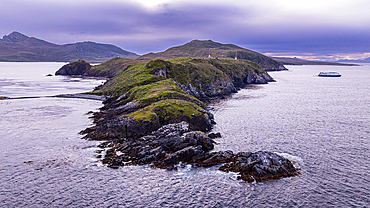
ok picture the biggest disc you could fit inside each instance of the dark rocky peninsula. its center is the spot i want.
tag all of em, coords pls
(154, 115)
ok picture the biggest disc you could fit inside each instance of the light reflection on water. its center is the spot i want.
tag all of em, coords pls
(30, 79)
(320, 122)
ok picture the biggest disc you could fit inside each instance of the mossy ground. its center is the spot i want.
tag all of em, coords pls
(161, 90)
(135, 75)
(194, 71)
(159, 96)
(111, 68)
(169, 109)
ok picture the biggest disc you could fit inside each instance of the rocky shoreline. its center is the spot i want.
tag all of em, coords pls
(153, 115)
(175, 144)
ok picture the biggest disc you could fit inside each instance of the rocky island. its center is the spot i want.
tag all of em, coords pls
(155, 114)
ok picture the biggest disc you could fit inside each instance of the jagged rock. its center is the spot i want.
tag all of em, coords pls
(175, 143)
(260, 166)
(218, 158)
(127, 108)
(214, 135)
(184, 155)
(169, 130)
(159, 67)
(165, 147)
(119, 127)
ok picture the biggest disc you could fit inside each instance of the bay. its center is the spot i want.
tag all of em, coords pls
(321, 123)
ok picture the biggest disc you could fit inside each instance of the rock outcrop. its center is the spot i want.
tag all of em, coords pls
(74, 68)
(206, 78)
(175, 144)
(116, 121)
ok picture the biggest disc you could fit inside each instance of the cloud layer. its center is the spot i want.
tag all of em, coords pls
(323, 28)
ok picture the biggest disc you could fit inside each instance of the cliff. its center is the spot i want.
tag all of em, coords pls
(146, 96)
(202, 78)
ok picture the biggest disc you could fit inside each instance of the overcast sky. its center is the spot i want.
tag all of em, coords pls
(325, 29)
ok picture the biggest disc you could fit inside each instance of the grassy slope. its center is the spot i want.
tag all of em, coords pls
(111, 68)
(159, 96)
(198, 72)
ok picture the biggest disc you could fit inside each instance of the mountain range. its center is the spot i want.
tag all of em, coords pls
(296, 61)
(19, 47)
(367, 60)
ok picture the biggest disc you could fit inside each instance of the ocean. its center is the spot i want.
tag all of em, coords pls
(320, 123)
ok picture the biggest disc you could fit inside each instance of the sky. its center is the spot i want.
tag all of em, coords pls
(310, 29)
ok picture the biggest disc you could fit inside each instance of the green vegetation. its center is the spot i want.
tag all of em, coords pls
(158, 97)
(156, 87)
(134, 75)
(161, 90)
(195, 71)
(111, 68)
(167, 110)
(203, 74)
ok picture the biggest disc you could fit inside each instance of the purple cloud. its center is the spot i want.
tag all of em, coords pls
(267, 28)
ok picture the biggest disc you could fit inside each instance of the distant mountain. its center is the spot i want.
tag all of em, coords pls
(206, 48)
(367, 60)
(296, 61)
(19, 47)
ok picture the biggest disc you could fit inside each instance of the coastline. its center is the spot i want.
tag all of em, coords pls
(75, 95)
(153, 119)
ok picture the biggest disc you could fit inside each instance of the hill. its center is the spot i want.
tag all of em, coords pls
(202, 78)
(19, 47)
(206, 48)
(296, 61)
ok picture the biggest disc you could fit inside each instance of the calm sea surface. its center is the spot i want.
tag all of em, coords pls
(320, 123)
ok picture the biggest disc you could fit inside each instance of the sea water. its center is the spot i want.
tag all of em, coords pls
(320, 123)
